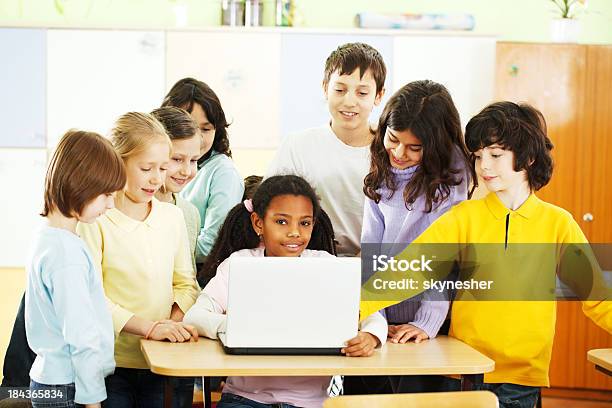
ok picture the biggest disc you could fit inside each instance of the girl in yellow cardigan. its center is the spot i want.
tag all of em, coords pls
(142, 249)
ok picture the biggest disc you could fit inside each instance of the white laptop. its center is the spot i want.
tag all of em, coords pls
(282, 305)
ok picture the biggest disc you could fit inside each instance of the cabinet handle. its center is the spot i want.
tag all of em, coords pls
(513, 71)
(588, 217)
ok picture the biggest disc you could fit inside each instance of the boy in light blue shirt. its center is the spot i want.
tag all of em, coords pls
(68, 324)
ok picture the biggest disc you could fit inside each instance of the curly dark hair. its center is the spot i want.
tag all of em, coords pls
(237, 232)
(520, 128)
(188, 91)
(426, 109)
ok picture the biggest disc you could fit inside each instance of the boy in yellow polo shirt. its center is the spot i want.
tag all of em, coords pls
(512, 156)
(511, 153)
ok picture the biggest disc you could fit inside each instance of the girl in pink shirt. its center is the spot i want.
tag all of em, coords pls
(283, 219)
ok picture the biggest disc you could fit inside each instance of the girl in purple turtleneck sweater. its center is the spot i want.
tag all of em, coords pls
(419, 169)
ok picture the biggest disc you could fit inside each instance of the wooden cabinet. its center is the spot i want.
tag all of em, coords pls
(571, 85)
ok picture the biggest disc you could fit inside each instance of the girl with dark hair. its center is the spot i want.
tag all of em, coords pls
(217, 185)
(419, 169)
(283, 219)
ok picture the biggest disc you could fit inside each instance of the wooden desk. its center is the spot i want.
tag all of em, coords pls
(443, 355)
(464, 399)
(602, 358)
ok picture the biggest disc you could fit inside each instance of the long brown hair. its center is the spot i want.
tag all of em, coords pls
(427, 110)
(188, 91)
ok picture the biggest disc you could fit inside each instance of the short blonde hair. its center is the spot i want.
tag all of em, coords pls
(134, 132)
(84, 165)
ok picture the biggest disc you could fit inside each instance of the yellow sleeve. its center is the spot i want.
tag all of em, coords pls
(184, 282)
(595, 304)
(93, 237)
(600, 312)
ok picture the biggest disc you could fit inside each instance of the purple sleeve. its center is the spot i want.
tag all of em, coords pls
(431, 316)
(373, 223)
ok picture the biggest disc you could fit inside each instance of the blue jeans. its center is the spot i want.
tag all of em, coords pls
(236, 401)
(137, 388)
(52, 396)
(509, 395)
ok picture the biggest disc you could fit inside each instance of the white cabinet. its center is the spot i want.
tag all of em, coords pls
(268, 80)
(22, 83)
(22, 172)
(243, 69)
(465, 65)
(95, 76)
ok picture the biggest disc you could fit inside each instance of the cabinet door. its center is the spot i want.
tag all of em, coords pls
(243, 68)
(465, 65)
(22, 172)
(22, 81)
(596, 135)
(96, 76)
(552, 79)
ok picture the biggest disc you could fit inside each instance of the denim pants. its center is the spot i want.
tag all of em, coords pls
(236, 401)
(509, 395)
(139, 388)
(52, 396)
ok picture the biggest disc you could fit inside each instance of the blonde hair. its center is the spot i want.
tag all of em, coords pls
(134, 132)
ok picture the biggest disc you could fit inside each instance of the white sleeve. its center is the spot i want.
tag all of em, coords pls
(284, 161)
(206, 316)
(376, 325)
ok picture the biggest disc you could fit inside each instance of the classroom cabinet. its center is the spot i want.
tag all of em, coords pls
(23, 83)
(22, 172)
(269, 81)
(466, 66)
(94, 76)
(571, 85)
(243, 70)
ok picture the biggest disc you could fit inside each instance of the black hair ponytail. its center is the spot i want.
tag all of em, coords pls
(237, 232)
